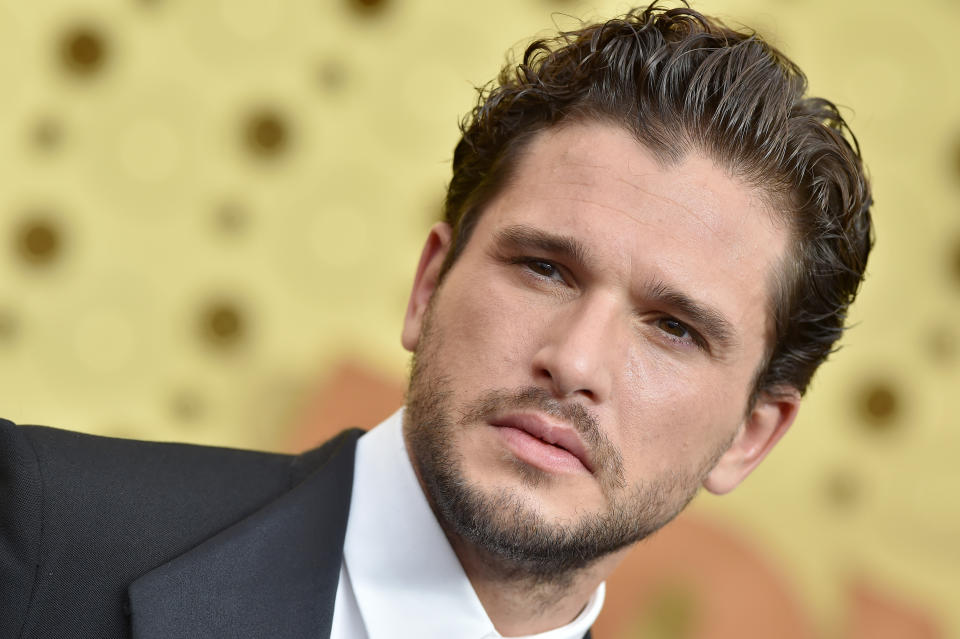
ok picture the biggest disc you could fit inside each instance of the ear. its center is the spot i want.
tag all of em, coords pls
(768, 421)
(425, 283)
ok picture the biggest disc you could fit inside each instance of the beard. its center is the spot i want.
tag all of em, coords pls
(504, 525)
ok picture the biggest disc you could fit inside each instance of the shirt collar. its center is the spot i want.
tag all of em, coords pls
(403, 571)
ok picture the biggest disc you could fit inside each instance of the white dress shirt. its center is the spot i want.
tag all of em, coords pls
(400, 577)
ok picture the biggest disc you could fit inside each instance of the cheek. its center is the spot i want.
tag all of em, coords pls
(669, 413)
(654, 381)
(487, 333)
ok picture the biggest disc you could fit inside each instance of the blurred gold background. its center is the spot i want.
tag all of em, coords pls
(212, 210)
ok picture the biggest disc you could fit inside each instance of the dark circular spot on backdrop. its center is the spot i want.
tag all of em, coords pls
(47, 134)
(955, 261)
(943, 344)
(83, 50)
(266, 134)
(222, 324)
(956, 158)
(880, 405)
(842, 489)
(231, 218)
(332, 75)
(186, 406)
(368, 6)
(38, 242)
(8, 326)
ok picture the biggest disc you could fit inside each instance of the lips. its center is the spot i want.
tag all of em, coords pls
(560, 435)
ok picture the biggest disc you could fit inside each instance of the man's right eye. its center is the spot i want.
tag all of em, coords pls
(544, 269)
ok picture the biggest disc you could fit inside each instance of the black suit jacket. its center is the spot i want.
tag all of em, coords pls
(104, 538)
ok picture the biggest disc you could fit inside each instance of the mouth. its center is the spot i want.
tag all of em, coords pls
(549, 445)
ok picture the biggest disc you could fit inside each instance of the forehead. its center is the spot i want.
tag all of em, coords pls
(688, 225)
(595, 166)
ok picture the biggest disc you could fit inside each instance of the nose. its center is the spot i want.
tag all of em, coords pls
(577, 352)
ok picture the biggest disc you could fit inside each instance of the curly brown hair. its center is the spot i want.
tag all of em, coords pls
(680, 82)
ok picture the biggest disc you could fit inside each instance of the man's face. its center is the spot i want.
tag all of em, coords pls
(587, 361)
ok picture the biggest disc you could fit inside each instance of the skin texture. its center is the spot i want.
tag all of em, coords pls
(624, 299)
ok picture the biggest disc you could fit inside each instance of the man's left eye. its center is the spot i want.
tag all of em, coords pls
(673, 327)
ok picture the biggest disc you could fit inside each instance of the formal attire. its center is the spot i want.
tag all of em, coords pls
(110, 538)
(400, 578)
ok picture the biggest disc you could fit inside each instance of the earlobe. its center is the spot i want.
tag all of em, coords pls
(425, 282)
(769, 420)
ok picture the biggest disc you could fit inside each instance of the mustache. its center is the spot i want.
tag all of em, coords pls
(603, 454)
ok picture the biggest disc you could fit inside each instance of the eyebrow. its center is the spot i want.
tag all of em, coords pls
(521, 236)
(718, 330)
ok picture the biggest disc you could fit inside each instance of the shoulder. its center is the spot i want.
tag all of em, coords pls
(87, 513)
(75, 475)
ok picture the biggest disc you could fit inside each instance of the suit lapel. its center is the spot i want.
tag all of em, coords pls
(273, 574)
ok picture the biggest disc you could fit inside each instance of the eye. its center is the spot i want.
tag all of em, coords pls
(673, 327)
(543, 269)
(679, 332)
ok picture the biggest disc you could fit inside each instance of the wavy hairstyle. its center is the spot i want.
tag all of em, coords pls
(682, 82)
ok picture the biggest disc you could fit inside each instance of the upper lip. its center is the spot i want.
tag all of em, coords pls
(550, 431)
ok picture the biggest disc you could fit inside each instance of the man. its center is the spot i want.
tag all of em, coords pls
(651, 241)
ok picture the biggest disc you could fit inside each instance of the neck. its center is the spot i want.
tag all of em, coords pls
(522, 604)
